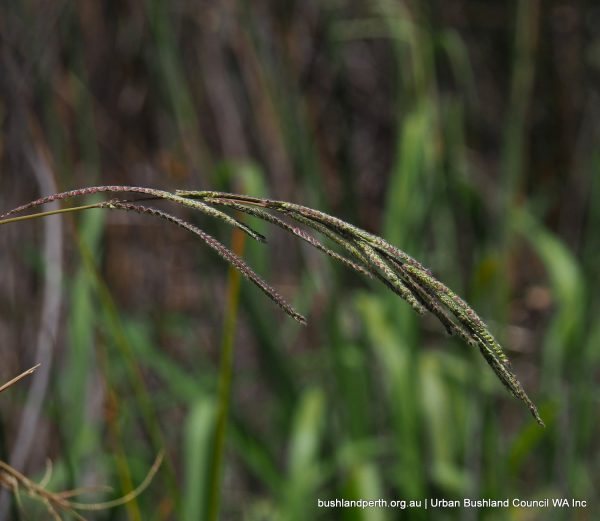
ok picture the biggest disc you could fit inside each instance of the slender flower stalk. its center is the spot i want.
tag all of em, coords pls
(10, 220)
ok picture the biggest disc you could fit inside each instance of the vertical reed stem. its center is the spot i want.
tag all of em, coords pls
(225, 378)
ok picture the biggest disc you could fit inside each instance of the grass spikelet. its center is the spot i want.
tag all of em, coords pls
(294, 230)
(350, 246)
(389, 274)
(328, 220)
(460, 309)
(224, 252)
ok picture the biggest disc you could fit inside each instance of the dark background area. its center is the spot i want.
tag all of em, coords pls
(464, 132)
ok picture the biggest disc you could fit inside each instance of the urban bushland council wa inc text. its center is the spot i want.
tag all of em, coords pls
(453, 503)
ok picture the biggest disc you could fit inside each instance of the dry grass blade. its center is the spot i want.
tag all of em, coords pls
(56, 502)
(59, 501)
(18, 378)
(127, 497)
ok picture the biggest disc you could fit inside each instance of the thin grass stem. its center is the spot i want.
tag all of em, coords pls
(46, 214)
(225, 380)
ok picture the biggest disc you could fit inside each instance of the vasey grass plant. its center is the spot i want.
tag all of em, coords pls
(363, 252)
(464, 133)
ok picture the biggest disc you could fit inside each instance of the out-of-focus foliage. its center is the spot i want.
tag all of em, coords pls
(464, 132)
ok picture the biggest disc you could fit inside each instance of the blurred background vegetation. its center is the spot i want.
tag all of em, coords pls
(464, 131)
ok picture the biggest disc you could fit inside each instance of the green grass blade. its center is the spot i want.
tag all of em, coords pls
(198, 447)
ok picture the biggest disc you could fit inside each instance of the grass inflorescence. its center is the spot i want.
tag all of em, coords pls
(364, 252)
